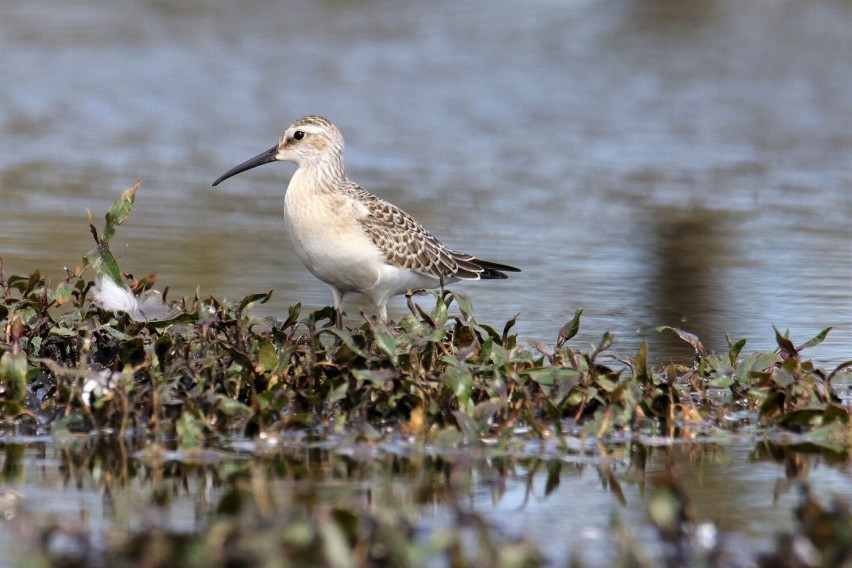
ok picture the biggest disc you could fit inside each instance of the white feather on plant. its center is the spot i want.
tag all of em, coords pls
(115, 298)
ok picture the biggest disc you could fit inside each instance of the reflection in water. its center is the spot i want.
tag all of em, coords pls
(563, 503)
(662, 17)
(690, 253)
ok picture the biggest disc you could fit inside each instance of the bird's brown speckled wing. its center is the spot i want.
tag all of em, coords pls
(407, 244)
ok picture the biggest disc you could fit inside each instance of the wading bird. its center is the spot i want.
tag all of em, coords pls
(351, 239)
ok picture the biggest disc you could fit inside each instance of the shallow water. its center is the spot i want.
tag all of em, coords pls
(656, 163)
(564, 503)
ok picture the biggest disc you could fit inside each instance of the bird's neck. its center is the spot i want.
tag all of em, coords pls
(320, 175)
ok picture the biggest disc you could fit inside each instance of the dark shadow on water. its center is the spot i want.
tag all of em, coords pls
(690, 251)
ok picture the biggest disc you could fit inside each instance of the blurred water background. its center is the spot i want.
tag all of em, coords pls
(656, 162)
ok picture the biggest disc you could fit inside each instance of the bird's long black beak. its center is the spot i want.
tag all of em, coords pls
(259, 160)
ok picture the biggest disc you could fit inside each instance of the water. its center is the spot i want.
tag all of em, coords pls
(566, 503)
(654, 162)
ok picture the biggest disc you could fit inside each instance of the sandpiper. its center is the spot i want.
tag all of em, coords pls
(351, 239)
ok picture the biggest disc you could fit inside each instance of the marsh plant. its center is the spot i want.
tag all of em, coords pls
(104, 353)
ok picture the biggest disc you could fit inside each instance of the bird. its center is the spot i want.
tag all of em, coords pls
(348, 237)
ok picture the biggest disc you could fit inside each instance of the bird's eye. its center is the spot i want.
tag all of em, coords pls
(298, 135)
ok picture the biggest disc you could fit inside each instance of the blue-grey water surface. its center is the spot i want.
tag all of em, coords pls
(656, 162)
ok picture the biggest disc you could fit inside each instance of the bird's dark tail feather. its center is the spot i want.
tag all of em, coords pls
(494, 270)
(488, 270)
(472, 268)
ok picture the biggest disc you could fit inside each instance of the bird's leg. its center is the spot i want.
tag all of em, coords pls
(338, 307)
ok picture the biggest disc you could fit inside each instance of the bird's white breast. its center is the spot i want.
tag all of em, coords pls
(328, 237)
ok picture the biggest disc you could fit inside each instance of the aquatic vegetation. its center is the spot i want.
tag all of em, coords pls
(103, 356)
(201, 369)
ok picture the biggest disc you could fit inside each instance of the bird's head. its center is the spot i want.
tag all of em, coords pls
(309, 140)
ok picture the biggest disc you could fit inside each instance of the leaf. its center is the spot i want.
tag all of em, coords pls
(815, 340)
(834, 413)
(252, 299)
(132, 352)
(690, 338)
(570, 329)
(735, 350)
(232, 408)
(485, 411)
(190, 429)
(267, 357)
(772, 405)
(292, 316)
(349, 341)
(785, 375)
(103, 263)
(608, 385)
(459, 379)
(504, 341)
(424, 316)
(386, 343)
(755, 363)
(784, 343)
(119, 335)
(465, 305)
(377, 378)
(338, 393)
(604, 344)
(120, 211)
(802, 419)
(439, 313)
(62, 295)
(722, 382)
(326, 313)
(13, 376)
(240, 358)
(63, 331)
(32, 282)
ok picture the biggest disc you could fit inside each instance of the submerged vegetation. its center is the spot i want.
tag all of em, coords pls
(102, 354)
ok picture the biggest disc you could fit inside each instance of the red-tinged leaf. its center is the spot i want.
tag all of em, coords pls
(509, 325)
(62, 295)
(784, 343)
(427, 319)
